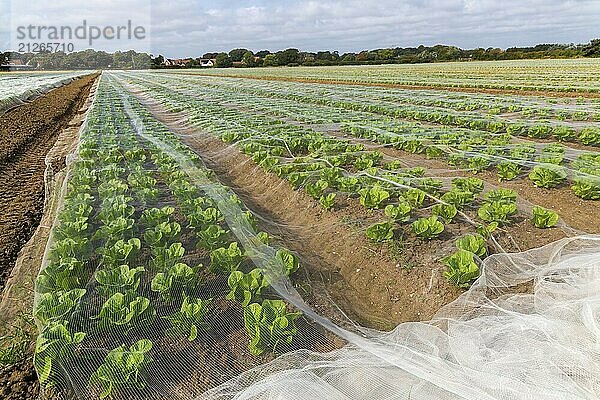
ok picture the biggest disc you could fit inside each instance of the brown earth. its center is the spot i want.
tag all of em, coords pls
(28, 133)
(524, 92)
(19, 381)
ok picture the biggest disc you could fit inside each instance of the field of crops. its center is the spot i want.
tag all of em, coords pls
(18, 87)
(578, 75)
(276, 233)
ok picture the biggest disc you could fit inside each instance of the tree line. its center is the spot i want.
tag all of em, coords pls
(400, 55)
(87, 59)
(239, 57)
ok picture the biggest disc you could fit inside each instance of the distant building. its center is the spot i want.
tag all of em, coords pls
(180, 62)
(16, 65)
(208, 62)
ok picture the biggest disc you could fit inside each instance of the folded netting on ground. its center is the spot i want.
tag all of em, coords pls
(157, 283)
(491, 343)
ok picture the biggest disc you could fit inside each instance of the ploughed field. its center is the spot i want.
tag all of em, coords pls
(214, 220)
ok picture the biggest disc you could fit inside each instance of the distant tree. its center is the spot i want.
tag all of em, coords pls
(3, 58)
(385, 54)
(289, 56)
(271, 60)
(223, 60)
(210, 55)
(248, 59)
(592, 49)
(263, 53)
(348, 57)
(158, 61)
(236, 55)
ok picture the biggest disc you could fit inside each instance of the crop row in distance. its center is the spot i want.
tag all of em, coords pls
(539, 120)
(327, 166)
(144, 249)
(578, 75)
(16, 87)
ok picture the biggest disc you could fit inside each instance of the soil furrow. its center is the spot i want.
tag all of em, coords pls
(28, 133)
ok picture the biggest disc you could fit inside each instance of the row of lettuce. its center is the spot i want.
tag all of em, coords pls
(138, 248)
(544, 121)
(547, 165)
(325, 167)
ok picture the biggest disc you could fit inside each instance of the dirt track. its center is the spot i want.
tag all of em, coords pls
(28, 133)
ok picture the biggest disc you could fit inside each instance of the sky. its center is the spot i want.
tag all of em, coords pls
(193, 27)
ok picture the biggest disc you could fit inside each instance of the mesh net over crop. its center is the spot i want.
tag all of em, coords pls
(159, 283)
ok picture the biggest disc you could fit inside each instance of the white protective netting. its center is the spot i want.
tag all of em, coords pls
(137, 297)
(488, 344)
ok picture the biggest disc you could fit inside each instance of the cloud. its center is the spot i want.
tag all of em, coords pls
(192, 27)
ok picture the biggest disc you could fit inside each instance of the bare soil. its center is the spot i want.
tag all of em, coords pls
(28, 133)
(19, 381)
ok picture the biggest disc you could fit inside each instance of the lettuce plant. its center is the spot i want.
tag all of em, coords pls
(200, 219)
(497, 211)
(57, 306)
(121, 279)
(461, 268)
(191, 318)
(347, 184)
(115, 230)
(155, 216)
(123, 368)
(548, 176)
(120, 252)
(473, 243)
(590, 136)
(164, 258)
(458, 198)
(586, 189)
(246, 288)
(380, 232)
(428, 228)
(399, 212)
(508, 170)
(543, 218)
(288, 260)
(414, 197)
(63, 274)
(327, 201)
(180, 277)
(226, 260)
(212, 237)
(269, 324)
(55, 344)
(373, 197)
(473, 185)
(162, 234)
(297, 179)
(125, 311)
(316, 190)
(446, 212)
(501, 195)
